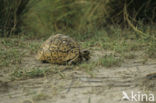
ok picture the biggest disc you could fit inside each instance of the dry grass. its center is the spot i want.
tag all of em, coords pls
(18, 53)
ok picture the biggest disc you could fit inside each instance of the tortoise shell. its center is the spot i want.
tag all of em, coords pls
(60, 49)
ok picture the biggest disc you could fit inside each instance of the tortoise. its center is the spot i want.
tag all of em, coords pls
(62, 49)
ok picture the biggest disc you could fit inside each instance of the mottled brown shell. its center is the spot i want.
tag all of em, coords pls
(59, 49)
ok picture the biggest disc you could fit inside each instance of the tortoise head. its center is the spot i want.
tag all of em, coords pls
(85, 54)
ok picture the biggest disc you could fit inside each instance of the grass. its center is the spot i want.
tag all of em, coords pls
(34, 72)
(10, 57)
(40, 97)
(151, 50)
(15, 49)
(20, 73)
(109, 61)
(130, 56)
(88, 67)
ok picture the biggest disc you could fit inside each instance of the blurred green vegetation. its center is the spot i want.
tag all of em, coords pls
(10, 15)
(81, 17)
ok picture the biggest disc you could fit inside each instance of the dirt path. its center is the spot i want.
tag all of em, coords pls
(105, 86)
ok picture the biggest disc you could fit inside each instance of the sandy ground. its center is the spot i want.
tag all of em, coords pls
(104, 86)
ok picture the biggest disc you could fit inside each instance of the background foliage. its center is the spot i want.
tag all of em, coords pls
(10, 15)
(43, 17)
